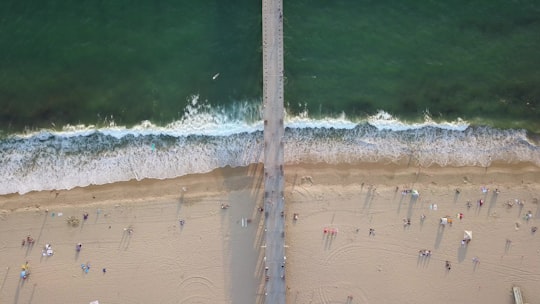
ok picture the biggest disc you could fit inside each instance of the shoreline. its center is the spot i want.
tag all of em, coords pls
(66, 163)
(132, 188)
(216, 256)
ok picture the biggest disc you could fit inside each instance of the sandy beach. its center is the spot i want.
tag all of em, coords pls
(134, 232)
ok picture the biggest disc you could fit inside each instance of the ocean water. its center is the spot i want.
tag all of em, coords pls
(94, 92)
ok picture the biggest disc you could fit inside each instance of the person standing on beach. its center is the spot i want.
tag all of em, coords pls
(448, 265)
(480, 203)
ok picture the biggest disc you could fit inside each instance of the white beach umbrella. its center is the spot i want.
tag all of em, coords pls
(467, 235)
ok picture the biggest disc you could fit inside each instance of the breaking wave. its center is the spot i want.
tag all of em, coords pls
(208, 139)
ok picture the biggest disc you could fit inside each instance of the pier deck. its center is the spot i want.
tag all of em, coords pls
(273, 113)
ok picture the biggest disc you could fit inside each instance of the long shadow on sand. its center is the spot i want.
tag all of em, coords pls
(370, 196)
(438, 238)
(400, 203)
(423, 261)
(412, 202)
(492, 202)
(462, 253)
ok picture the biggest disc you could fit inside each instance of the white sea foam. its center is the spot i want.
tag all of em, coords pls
(304, 121)
(205, 139)
(385, 121)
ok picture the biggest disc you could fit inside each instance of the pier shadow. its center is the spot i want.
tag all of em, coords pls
(247, 240)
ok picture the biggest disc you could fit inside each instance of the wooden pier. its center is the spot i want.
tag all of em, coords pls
(272, 27)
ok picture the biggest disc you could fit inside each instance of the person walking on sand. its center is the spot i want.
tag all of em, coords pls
(371, 232)
(480, 203)
(448, 265)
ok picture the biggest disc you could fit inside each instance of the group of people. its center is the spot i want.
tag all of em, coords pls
(47, 250)
(28, 240)
(424, 253)
(330, 231)
(25, 271)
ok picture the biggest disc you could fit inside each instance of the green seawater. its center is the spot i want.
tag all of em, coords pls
(71, 62)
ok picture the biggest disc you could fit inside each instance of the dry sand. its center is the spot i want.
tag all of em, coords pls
(213, 259)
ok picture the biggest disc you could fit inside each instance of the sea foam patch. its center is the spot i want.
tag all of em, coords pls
(385, 121)
(203, 141)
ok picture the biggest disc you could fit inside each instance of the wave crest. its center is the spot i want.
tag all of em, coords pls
(65, 160)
